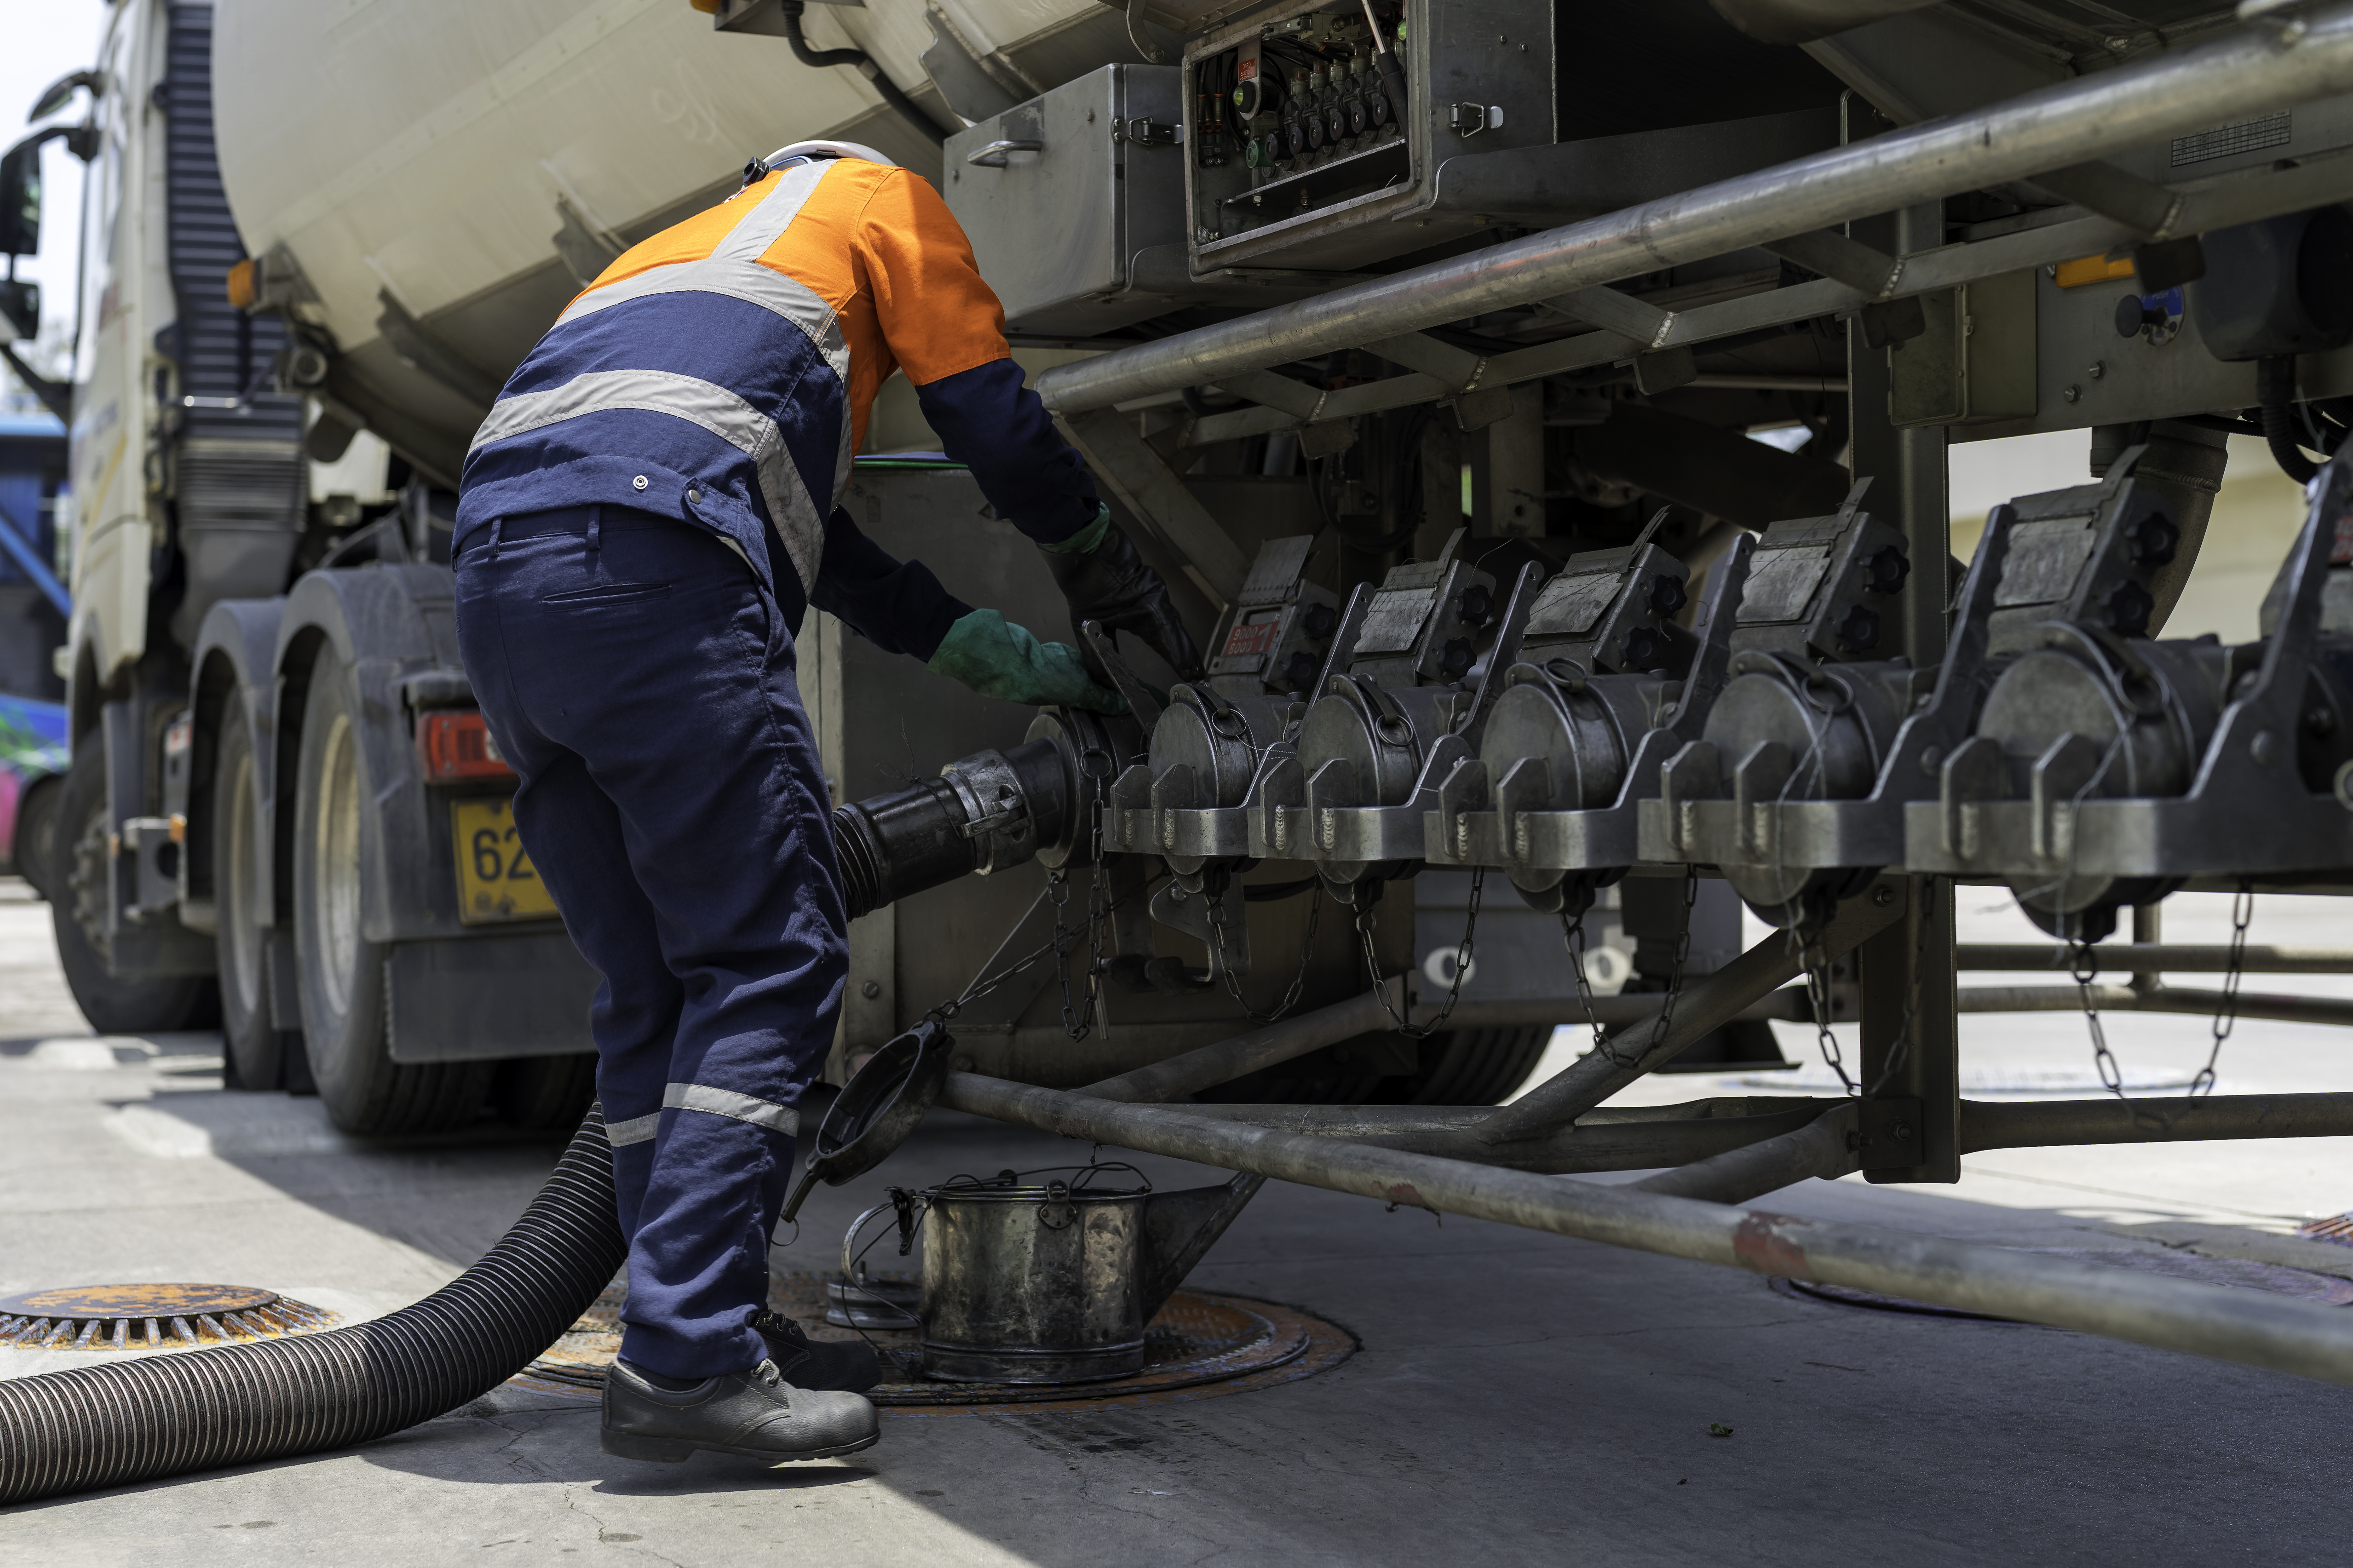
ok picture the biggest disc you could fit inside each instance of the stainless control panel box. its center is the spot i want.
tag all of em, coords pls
(1338, 133)
(1074, 201)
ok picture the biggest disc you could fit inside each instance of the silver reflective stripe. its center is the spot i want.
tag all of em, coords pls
(842, 460)
(635, 1130)
(698, 402)
(727, 1102)
(753, 282)
(765, 223)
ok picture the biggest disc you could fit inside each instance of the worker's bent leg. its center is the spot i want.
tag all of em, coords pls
(653, 656)
(575, 833)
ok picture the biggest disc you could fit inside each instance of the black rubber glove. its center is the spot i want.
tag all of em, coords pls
(1111, 584)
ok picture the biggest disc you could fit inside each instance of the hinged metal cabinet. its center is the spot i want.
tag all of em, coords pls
(1515, 112)
(1067, 196)
(1975, 361)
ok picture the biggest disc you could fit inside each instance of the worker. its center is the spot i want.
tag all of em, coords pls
(645, 517)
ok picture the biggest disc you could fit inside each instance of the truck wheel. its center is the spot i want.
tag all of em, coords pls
(545, 1094)
(78, 871)
(1471, 1067)
(341, 971)
(254, 1045)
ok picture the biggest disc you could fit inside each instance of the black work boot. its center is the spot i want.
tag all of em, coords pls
(755, 1414)
(848, 1366)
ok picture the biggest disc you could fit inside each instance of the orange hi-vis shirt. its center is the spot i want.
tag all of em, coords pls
(723, 370)
(875, 244)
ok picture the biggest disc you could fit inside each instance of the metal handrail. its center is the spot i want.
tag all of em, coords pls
(2181, 958)
(2268, 66)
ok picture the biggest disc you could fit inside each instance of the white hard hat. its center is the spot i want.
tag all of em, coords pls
(776, 159)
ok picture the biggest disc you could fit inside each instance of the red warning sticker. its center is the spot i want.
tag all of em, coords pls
(1252, 637)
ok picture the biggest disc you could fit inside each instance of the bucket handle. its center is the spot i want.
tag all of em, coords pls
(1058, 1192)
(902, 1201)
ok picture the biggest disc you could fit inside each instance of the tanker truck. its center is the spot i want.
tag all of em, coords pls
(1540, 410)
(1262, 260)
(312, 248)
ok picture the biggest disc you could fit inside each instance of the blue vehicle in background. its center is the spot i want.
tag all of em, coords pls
(34, 609)
(33, 758)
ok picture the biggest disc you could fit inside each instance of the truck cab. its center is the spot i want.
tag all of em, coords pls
(274, 750)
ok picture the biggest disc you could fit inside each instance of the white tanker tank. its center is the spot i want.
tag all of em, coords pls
(429, 183)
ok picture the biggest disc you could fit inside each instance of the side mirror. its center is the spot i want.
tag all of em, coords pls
(20, 198)
(20, 301)
(60, 93)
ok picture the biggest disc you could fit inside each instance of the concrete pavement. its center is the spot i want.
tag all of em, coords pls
(1518, 1398)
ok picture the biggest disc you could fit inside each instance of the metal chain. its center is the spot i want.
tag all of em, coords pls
(1306, 954)
(1059, 945)
(2084, 969)
(2226, 1015)
(1462, 955)
(1817, 960)
(946, 1011)
(1572, 937)
(1666, 1018)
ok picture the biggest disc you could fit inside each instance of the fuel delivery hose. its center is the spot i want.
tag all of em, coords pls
(163, 1415)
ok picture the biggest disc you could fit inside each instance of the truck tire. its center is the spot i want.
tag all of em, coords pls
(1457, 1067)
(253, 1043)
(1471, 1067)
(340, 971)
(545, 1094)
(78, 871)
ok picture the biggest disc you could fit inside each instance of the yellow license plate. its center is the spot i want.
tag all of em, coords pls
(496, 881)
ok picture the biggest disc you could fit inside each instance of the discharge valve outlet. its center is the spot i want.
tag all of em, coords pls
(986, 813)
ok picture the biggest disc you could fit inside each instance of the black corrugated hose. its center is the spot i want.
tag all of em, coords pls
(161, 1415)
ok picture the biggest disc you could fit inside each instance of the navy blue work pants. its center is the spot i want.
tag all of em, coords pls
(640, 680)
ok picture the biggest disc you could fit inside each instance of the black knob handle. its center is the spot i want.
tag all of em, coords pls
(1885, 572)
(2129, 606)
(2154, 541)
(1858, 629)
(2133, 313)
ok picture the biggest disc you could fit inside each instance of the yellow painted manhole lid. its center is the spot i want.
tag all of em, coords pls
(151, 1317)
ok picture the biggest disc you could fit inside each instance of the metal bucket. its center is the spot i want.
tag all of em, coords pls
(1033, 1284)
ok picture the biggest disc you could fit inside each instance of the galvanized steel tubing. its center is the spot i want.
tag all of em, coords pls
(2268, 66)
(1989, 1124)
(160, 1415)
(2248, 1326)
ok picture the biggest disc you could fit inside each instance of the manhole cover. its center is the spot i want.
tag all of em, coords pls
(151, 1317)
(2241, 1272)
(1199, 1345)
(2338, 1228)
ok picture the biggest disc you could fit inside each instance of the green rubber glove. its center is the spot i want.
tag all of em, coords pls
(997, 658)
